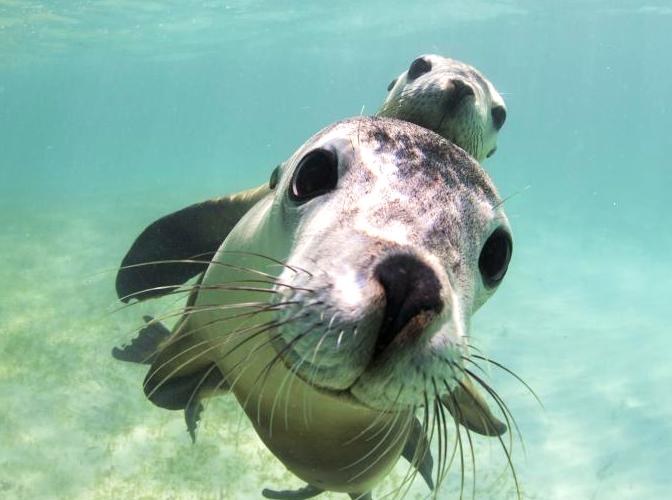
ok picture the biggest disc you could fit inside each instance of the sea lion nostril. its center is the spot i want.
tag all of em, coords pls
(462, 89)
(456, 91)
(411, 287)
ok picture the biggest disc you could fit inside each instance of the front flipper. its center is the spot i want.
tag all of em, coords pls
(308, 491)
(186, 392)
(193, 233)
(418, 453)
(469, 408)
(144, 348)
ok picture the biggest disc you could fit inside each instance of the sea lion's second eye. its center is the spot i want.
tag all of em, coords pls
(316, 174)
(418, 67)
(498, 116)
(391, 85)
(495, 257)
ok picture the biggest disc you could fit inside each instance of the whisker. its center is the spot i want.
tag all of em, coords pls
(458, 433)
(291, 374)
(504, 410)
(267, 369)
(311, 377)
(431, 429)
(409, 471)
(471, 446)
(513, 374)
(223, 286)
(269, 365)
(502, 406)
(293, 267)
(513, 195)
(425, 427)
(439, 464)
(185, 312)
(178, 336)
(381, 441)
(407, 481)
(194, 259)
(195, 392)
(394, 442)
(375, 421)
(264, 327)
(252, 351)
(438, 408)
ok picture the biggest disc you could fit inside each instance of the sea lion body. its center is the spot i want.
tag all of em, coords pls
(329, 419)
(301, 311)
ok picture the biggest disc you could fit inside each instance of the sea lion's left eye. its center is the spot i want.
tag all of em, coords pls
(495, 257)
(391, 85)
(418, 67)
(316, 174)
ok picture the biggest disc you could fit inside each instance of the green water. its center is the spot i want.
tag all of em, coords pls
(113, 113)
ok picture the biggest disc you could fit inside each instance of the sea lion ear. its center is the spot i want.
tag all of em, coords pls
(193, 233)
(469, 408)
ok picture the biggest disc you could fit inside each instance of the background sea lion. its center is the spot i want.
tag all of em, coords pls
(340, 304)
(451, 98)
(441, 94)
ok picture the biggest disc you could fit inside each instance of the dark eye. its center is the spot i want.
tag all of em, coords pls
(391, 85)
(498, 116)
(275, 177)
(316, 174)
(418, 67)
(495, 257)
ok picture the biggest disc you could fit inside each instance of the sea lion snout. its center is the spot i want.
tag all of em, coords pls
(456, 92)
(411, 288)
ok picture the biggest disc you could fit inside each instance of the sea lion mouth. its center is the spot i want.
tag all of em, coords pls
(385, 349)
(387, 339)
(292, 359)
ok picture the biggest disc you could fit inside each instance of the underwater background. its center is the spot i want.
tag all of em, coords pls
(116, 112)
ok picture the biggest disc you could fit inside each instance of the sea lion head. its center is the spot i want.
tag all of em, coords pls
(451, 98)
(391, 238)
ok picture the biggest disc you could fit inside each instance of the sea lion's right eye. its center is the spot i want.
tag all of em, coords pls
(418, 67)
(498, 116)
(391, 85)
(316, 174)
(495, 257)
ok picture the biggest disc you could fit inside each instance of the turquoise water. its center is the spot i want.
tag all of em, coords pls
(114, 113)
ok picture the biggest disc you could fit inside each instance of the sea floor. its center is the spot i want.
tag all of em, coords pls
(587, 330)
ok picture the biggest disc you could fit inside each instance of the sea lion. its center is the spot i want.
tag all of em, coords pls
(340, 304)
(451, 98)
(444, 95)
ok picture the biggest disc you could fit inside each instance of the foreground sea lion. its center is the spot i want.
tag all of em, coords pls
(444, 95)
(339, 306)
